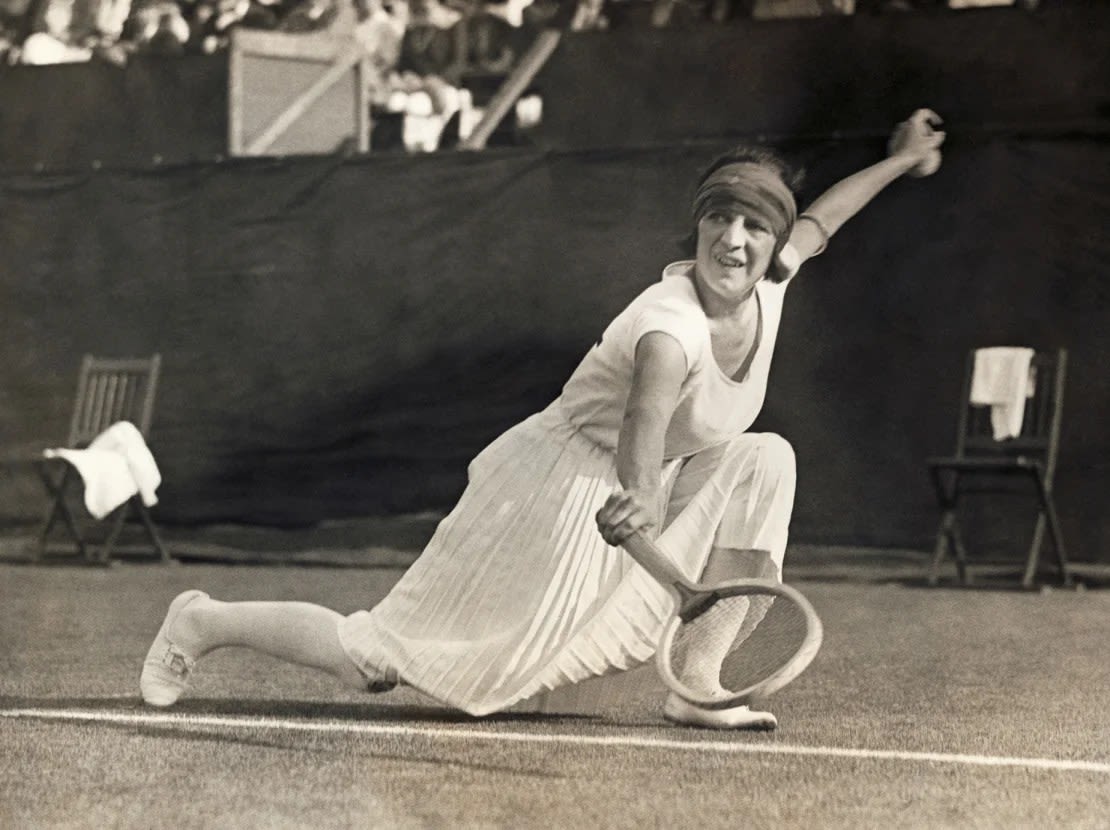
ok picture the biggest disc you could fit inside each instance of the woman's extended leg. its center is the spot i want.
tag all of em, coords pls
(196, 624)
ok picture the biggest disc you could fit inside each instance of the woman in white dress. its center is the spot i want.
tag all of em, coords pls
(524, 587)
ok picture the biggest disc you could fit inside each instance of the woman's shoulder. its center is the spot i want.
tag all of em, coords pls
(673, 298)
(670, 306)
(675, 290)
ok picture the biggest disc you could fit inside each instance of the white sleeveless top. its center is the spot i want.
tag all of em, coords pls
(712, 407)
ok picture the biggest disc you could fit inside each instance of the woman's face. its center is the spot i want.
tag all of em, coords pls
(734, 252)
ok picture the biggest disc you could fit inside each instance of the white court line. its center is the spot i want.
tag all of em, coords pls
(492, 735)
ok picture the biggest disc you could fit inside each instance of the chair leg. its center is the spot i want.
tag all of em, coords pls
(961, 552)
(939, 551)
(948, 538)
(118, 522)
(118, 518)
(1032, 560)
(1057, 538)
(152, 531)
(57, 490)
(947, 489)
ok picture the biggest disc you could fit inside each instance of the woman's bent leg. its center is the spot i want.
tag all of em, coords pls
(757, 510)
(749, 542)
(195, 625)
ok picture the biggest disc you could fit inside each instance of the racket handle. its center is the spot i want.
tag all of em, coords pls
(648, 556)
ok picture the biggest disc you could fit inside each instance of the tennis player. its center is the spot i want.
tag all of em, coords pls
(523, 588)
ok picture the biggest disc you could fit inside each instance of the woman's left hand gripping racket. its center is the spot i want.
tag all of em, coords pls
(730, 642)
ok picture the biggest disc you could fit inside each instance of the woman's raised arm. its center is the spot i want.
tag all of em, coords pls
(914, 148)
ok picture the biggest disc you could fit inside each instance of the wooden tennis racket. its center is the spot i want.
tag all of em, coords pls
(731, 642)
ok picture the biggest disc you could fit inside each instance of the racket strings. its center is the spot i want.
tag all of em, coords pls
(706, 640)
(736, 643)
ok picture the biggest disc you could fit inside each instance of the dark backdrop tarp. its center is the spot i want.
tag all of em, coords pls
(341, 337)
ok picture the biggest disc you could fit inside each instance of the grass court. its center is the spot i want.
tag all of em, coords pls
(944, 707)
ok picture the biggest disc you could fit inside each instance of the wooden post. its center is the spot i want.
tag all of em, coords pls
(514, 86)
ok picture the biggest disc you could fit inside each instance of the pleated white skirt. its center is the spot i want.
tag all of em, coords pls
(517, 593)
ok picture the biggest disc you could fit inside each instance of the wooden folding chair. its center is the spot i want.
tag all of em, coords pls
(982, 464)
(108, 390)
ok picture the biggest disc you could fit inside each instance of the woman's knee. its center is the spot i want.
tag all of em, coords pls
(775, 453)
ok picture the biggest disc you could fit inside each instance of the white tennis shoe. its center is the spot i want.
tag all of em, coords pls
(678, 710)
(167, 666)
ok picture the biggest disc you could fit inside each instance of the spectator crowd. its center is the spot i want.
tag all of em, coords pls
(418, 50)
(66, 31)
(69, 31)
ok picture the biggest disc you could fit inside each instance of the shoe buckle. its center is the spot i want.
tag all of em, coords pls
(176, 661)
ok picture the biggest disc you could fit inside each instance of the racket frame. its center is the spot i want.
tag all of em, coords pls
(691, 598)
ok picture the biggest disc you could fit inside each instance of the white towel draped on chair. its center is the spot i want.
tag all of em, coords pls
(1001, 380)
(115, 466)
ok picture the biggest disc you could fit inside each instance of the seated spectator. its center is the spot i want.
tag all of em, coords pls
(53, 39)
(489, 43)
(477, 42)
(589, 15)
(511, 11)
(422, 107)
(158, 28)
(380, 31)
(434, 13)
(310, 16)
(428, 44)
(263, 14)
(8, 42)
(13, 17)
(212, 22)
